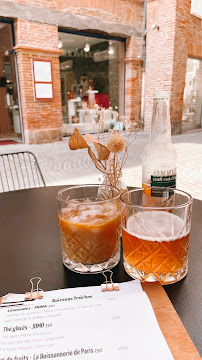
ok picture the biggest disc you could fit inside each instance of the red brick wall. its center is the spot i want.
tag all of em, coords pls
(36, 35)
(188, 42)
(133, 73)
(133, 79)
(121, 11)
(38, 41)
(50, 4)
(159, 51)
(167, 49)
(179, 36)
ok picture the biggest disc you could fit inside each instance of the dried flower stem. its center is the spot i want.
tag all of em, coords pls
(110, 159)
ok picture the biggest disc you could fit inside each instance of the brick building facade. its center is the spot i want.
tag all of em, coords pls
(36, 25)
(179, 36)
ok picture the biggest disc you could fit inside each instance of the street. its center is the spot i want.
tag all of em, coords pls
(62, 166)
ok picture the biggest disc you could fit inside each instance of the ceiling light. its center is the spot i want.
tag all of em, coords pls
(110, 48)
(60, 44)
(65, 65)
(87, 47)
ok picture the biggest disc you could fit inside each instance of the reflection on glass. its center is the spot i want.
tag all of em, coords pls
(91, 73)
(192, 110)
(10, 127)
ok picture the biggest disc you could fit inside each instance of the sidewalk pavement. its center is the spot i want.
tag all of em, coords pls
(62, 166)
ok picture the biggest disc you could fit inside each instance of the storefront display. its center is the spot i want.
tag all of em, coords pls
(89, 68)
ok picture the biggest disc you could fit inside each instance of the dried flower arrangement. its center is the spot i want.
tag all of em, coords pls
(111, 147)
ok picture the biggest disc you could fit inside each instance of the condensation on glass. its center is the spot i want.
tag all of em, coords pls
(92, 73)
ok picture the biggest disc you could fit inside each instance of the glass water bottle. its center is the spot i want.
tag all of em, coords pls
(159, 156)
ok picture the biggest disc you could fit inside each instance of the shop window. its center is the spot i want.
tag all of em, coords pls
(192, 106)
(92, 73)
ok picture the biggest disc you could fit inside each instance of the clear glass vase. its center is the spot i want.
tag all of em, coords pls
(115, 180)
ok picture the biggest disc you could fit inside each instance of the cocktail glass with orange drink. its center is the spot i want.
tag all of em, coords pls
(89, 221)
(155, 235)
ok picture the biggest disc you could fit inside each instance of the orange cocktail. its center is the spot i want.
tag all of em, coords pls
(89, 221)
(158, 252)
(155, 233)
(90, 233)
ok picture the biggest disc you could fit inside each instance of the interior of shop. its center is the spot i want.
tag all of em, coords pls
(91, 71)
(10, 127)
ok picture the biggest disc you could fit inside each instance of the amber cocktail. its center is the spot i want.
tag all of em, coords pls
(89, 221)
(156, 239)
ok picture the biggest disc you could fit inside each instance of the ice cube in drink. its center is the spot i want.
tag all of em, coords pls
(90, 232)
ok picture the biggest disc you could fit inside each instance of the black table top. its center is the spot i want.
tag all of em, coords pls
(30, 246)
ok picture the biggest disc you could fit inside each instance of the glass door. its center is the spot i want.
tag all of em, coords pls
(10, 125)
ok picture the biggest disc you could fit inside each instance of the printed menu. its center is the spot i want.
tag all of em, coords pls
(83, 324)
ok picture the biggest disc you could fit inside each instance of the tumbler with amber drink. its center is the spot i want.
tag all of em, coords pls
(155, 234)
(89, 221)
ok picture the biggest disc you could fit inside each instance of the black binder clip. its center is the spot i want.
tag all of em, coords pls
(109, 285)
(36, 293)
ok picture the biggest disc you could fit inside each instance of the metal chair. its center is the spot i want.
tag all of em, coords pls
(20, 170)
